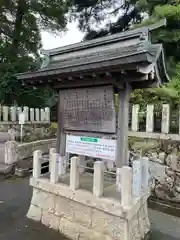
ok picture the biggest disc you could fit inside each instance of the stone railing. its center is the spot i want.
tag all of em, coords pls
(162, 147)
(10, 115)
(79, 213)
(15, 152)
(165, 118)
(9, 119)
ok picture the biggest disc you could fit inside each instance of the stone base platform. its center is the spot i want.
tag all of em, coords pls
(78, 214)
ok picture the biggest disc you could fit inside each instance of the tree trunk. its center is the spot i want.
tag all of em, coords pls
(17, 28)
(14, 48)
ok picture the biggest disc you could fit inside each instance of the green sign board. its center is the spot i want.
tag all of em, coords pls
(88, 139)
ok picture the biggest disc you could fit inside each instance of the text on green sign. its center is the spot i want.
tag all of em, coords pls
(89, 139)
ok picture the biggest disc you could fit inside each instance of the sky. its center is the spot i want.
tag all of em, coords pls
(73, 35)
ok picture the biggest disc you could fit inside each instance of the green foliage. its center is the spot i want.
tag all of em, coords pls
(99, 18)
(20, 42)
(175, 82)
(112, 17)
(161, 95)
(170, 37)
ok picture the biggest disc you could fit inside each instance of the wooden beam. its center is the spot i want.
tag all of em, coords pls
(60, 75)
(85, 82)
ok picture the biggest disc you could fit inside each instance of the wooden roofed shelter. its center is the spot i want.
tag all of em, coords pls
(99, 68)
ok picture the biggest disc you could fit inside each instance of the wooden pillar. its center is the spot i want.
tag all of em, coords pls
(122, 127)
(61, 139)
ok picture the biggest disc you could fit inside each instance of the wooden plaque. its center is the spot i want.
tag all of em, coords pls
(88, 109)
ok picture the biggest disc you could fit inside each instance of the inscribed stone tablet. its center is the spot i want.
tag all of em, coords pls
(89, 109)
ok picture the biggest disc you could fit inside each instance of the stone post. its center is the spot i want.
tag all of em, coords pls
(47, 114)
(32, 114)
(136, 192)
(82, 164)
(19, 110)
(126, 186)
(150, 118)
(74, 173)
(62, 165)
(118, 179)
(26, 112)
(11, 152)
(54, 167)
(13, 113)
(37, 155)
(110, 164)
(51, 151)
(98, 179)
(165, 118)
(37, 114)
(145, 175)
(5, 113)
(135, 119)
(42, 115)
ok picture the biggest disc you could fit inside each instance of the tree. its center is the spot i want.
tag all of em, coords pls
(99, 18)
(131, 14)
(20, 42)
(170, 37)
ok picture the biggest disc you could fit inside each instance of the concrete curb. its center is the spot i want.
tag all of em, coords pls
(172, 209)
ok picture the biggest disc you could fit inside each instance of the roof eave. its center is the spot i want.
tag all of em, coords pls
(105, 40)
(142, 57)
